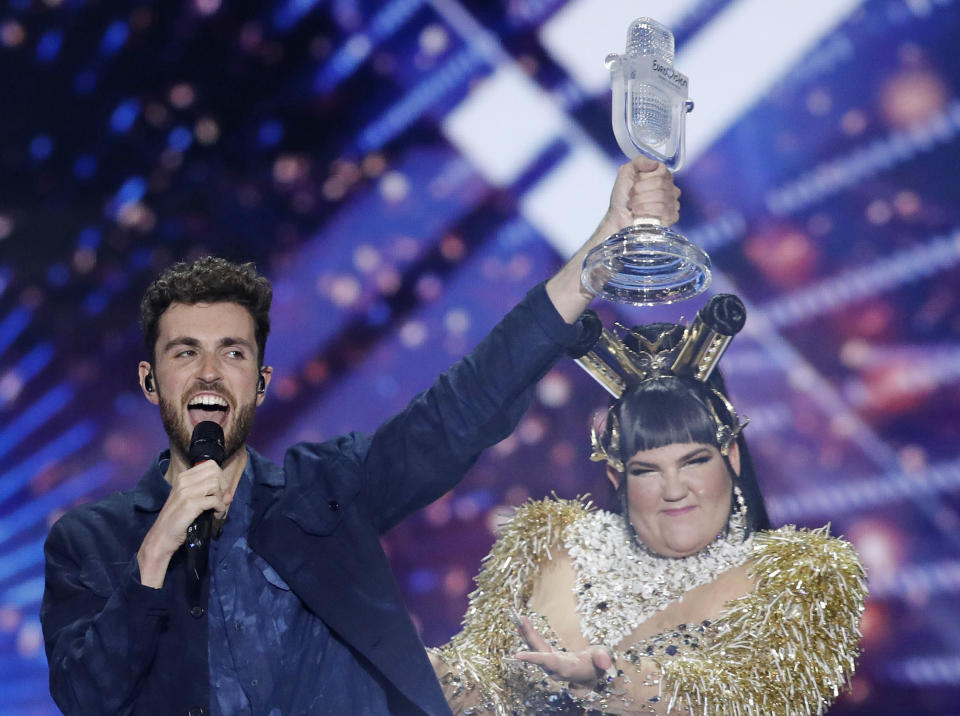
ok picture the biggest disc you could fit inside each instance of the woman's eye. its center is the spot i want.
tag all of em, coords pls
(699, 460)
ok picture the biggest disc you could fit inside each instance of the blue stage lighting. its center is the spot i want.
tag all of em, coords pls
(41, 147)
(114, 37)
(48, 46)
(124, 116)
(12, 326)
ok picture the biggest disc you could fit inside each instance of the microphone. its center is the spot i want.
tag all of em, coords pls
(206, 443)
(649, 95)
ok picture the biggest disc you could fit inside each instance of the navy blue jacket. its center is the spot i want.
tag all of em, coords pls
(115, 646)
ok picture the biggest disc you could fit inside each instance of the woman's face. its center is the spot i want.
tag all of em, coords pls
(678, 496)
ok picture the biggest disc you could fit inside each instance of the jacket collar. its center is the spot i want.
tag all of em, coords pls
(265, 472)
(152, 489)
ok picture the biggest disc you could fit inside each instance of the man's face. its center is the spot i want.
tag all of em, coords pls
(206, 368)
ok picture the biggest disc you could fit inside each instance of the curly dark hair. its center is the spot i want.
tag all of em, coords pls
(207, 280)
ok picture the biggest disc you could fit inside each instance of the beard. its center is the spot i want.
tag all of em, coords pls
(180, 432)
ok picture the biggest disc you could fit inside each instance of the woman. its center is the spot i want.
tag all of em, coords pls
(686, 601)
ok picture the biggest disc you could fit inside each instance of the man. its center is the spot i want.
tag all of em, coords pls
(298, 612)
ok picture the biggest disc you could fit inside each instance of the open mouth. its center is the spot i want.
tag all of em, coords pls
(208, 406)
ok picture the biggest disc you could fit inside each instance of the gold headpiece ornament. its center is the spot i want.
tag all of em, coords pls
(665, 350)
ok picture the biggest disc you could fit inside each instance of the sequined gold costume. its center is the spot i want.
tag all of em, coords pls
(786, 646)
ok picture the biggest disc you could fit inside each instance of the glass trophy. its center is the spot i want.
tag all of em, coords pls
(646, 263)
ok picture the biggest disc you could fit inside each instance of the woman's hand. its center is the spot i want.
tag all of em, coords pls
(578, 667)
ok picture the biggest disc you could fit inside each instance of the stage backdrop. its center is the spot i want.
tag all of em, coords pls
(404, 171)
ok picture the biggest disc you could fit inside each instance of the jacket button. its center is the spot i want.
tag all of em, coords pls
(196, 612)
(197, 711)
(333, 505)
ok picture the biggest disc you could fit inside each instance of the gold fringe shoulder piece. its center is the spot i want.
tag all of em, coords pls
(504, 583)
(788, 647)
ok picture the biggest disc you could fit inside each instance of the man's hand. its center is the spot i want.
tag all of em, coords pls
(643, 188)
(194, 491)
(579, 667)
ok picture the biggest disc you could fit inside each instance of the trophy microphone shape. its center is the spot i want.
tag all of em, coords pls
(649, 95)
(206, 443)
(647, 264)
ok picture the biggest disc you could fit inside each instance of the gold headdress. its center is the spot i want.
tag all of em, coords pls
(665, 350)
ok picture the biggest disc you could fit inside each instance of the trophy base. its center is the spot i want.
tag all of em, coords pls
(646, 265)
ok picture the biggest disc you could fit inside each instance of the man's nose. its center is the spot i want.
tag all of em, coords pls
(209, 368)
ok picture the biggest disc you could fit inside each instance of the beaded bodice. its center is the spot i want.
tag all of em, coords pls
(620, 584)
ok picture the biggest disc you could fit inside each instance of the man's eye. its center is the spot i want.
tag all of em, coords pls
(235, 354)
(186, 353)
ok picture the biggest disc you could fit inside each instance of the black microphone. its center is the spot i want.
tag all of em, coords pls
(206, 443)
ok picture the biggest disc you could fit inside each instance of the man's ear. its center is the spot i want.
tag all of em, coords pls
(148, 382)
(263, 382)
(615, 476)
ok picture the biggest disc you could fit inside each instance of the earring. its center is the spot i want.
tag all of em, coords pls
(737, 523)
(625, 513)
(148, 383)
(261, 385)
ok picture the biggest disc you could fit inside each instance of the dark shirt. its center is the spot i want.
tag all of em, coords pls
(268, 654)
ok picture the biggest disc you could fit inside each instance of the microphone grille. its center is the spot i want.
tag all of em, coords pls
(649, 37)
(206, 443)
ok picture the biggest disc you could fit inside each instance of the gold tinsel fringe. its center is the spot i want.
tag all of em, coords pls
(805, 612)
(505, 582)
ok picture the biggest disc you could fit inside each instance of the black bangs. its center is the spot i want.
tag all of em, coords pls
(663, 412)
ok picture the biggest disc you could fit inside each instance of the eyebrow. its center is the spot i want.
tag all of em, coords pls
(194, 343)
(683, 458)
